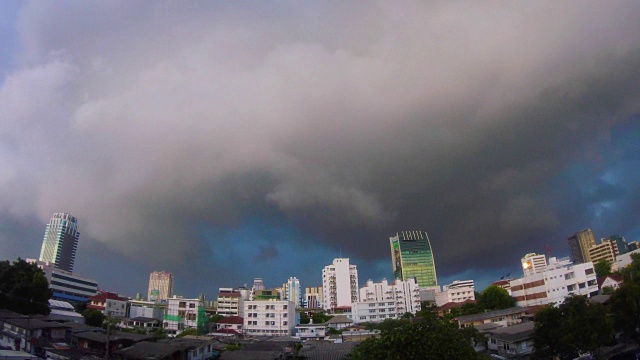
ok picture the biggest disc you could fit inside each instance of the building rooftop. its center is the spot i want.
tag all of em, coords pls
(514, 333)
(31, 324)
(232, 320)
(103, 296)
(339, 319)
(114, 336)
(490, 314)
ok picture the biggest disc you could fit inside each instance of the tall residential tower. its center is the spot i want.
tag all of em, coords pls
(340, 284)
(412, 257)
(579, 244)
(160, 286)
(60, 241)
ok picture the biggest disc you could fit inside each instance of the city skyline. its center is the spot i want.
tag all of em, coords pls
(227, 141)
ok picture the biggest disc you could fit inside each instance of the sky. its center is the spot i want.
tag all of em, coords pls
(223, 141)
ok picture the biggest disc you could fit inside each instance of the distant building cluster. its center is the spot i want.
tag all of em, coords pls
(259, 310)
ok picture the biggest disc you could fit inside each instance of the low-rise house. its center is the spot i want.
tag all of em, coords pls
(512, 341)
(174, 349)
(357, 334)
(110, 304)
(231, 322)
(32, 335)
(64, 311)
(612, 281)
(16, 355)
(311, 331)
(504, 317)
(143, 323)
(339, 322)
(326, 350)
(97, 342)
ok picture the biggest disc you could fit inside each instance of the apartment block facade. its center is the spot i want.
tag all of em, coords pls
(340, 284)
(269, 318)
(382, 301)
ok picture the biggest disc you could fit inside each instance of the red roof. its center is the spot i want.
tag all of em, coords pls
(103, 296)
(450, 305)
(501, 282)
(232, 320)
(229, 294)
(227, 331)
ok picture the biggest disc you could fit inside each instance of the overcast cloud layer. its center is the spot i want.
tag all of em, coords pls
(196, 138)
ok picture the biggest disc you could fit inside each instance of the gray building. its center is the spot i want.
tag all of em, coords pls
(60, 241)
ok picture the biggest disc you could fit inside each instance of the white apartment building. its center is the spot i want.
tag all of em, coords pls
(185, 314)
(457, 292)
(551, 286)
(339, 284)
(313, 297)
(533, 263)
(231, 301)
(269, 318)
(146, 309)
(625, 260)
(381, 301)
(65, 285)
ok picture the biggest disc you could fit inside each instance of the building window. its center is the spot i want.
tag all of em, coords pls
(589, 271)
(192, 305)
(182, 304)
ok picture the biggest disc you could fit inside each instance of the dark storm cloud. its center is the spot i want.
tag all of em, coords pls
(148, 120)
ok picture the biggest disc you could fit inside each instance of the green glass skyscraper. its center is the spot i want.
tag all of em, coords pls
(412, 257)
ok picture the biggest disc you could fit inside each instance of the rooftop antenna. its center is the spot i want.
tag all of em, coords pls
(340, 253)
(548, 251)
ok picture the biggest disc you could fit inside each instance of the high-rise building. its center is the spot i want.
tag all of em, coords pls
(292, 291)
(60, 241)
(579, 244)
(533, 263)
(339, 284)
(313, 297)
(160, 286)
(619, 243)
(412, 257)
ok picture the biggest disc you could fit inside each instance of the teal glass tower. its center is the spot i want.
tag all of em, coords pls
(60, 241)
(412, 257)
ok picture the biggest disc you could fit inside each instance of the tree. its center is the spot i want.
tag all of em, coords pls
(495, 298)
(575, 326)
(24, 288)
(215, 318)
(625, 301)
(320, 317)
(189, 331)
(93, 317)
(304, 318)
(159, 333)
(603, 268)
(422, 338)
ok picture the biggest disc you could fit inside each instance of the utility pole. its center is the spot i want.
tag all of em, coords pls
(106, 356)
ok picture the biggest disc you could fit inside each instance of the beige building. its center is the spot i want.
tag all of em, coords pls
(579, 244)
(160, 286)
(607, 250)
